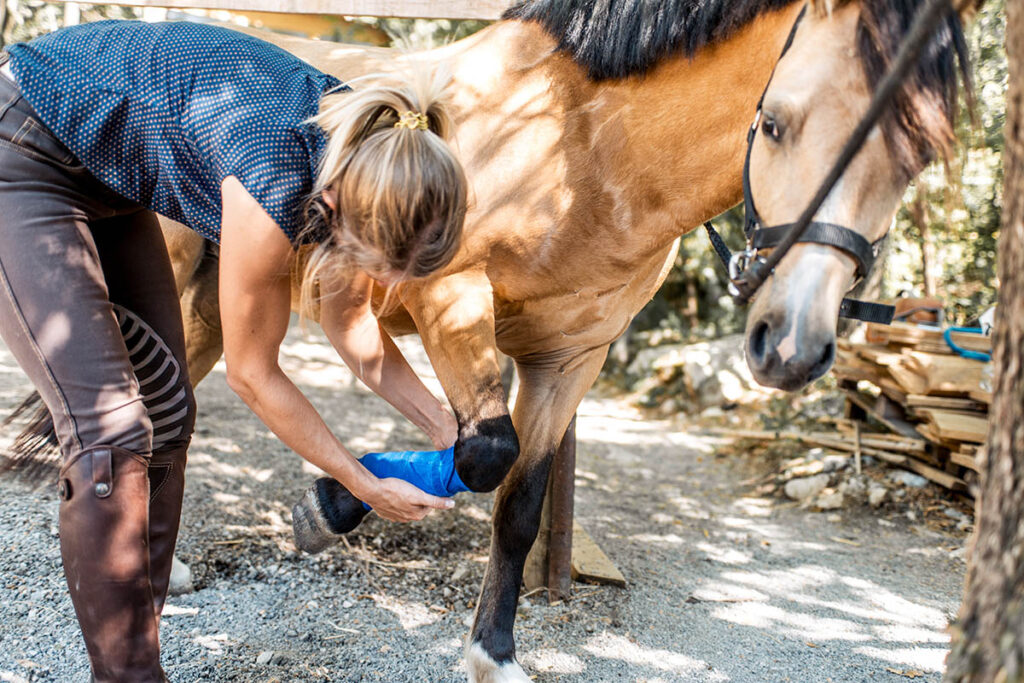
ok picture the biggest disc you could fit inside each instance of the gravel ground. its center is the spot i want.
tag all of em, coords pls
(725, 585)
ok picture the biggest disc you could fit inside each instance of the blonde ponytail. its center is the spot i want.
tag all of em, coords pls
(399, 190)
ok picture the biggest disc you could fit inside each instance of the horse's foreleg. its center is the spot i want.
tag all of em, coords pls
(545, 406)
(455, 318)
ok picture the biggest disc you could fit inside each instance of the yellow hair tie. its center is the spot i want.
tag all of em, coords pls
(413, 121)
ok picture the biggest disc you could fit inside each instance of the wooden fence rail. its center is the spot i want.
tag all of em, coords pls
(433, 9)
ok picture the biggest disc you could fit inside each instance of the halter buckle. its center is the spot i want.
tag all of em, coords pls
(739, 263)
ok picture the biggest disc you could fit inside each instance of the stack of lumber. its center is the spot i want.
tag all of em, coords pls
(906, 379)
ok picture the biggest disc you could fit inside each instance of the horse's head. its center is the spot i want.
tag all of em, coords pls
(821, 88)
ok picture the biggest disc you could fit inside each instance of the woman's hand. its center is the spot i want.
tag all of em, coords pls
(399, 501)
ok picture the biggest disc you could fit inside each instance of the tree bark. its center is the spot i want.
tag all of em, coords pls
(920, 216)
(988, 638)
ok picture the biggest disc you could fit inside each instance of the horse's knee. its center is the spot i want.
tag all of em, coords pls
(485, 452)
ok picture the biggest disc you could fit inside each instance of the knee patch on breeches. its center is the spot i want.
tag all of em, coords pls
(163, 383)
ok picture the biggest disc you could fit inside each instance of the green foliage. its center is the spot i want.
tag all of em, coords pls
(962, 203)
(26, 19)
(423, 34)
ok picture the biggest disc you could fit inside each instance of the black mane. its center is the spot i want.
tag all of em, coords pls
(619, 38)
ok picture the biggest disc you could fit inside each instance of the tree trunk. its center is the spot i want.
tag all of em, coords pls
(988, 638)
(920, 216)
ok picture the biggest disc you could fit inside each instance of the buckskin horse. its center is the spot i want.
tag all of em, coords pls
(594, 135)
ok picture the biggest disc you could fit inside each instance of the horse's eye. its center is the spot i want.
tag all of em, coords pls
(771, 128)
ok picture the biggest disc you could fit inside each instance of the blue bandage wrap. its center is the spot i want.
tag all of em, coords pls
(430, 471)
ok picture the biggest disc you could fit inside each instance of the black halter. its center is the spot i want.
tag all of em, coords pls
(761, 237)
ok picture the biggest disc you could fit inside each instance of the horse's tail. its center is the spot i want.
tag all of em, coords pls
(34, 456)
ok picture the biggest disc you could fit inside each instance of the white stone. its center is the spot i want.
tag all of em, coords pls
(876, 495)
(806, 487)
(914, 481)
(181, 578)
(264, 657)
(830, 500)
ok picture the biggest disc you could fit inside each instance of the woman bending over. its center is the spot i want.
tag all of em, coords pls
(101, 127)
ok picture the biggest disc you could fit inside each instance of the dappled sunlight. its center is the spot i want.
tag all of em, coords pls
(611, 646)
(777, 601)
(220, 468)
(927, 659)
(724, 555)
(657, 539)
(553, 662)
(410, 615)
(790, 624)
(754, 507)
(690, 508)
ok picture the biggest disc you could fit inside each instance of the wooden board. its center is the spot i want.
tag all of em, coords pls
(950, 481)
(912, 335)
(435, 9)
(981, 396)
(964, 460)
(589, 563)
(945, 374)
(954, 426)
(945, 402)
(868, 405)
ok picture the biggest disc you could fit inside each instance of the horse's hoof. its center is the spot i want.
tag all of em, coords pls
(482, 668)
(324, 514)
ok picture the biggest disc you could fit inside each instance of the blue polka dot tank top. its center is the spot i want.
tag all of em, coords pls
(162, 113)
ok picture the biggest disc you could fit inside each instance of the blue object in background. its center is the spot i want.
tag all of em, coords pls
(430, 471)
(966, 353)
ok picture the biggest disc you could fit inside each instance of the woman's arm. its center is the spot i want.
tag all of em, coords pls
(255, 306)
(372, 355)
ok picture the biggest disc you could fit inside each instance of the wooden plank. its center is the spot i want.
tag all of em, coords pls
(981, 396)
(434, 9)
(589, 563)
(957, 426)
(946, 374)
(909, 381)
(912, 335)
(945, 402)
(867, 404)
(838, 442)
(938, 476)
(964, 460)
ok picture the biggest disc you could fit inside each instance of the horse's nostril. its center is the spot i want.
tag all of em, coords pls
(759, 340)
(828, 354)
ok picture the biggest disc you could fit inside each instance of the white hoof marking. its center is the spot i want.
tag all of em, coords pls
(483, 669)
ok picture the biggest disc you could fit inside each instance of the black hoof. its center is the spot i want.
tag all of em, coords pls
(325, 512)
